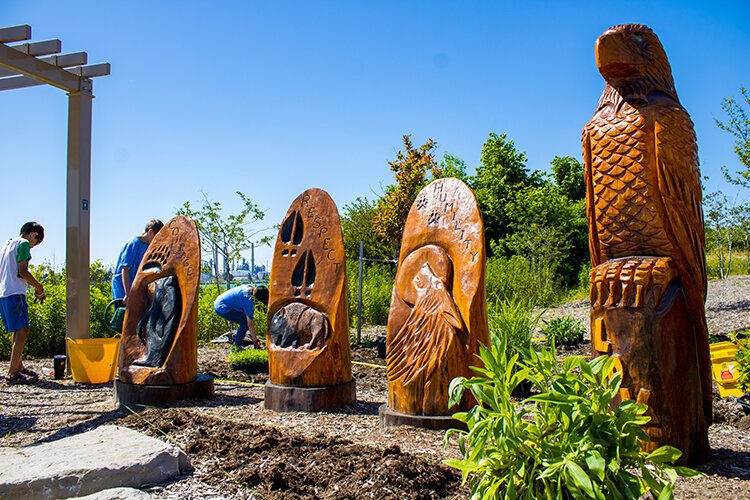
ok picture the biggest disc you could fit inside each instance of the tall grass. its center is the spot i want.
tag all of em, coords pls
(377, 287)
(513, 279)
(513, 322)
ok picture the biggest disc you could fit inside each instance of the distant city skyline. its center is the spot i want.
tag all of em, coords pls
(272, 98)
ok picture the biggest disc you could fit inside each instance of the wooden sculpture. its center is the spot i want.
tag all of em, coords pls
(646, 237)
(438, 313)
(309, 358)
(160, 330)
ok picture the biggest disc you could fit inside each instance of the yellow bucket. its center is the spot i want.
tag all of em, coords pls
(726, 371)
(93, 361)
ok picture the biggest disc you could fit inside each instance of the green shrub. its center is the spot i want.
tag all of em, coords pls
(210, 325)
(565, 330)
(250, 360)
(742, 359)
(512, 279)
(567, 441)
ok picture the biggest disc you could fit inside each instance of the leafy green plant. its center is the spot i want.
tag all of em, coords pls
(564, 330)
(249, 360)
(566, 441)
(743, 360)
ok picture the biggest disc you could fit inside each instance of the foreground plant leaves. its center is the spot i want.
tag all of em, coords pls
(565, 441)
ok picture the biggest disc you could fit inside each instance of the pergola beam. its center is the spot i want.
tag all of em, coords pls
(61, 61)
(35, 68)
(44, 48)
(20, 82)
(15, 33)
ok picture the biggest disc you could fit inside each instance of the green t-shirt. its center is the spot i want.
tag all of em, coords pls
(23, 252)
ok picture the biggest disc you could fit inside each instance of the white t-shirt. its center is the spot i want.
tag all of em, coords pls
(10, 282)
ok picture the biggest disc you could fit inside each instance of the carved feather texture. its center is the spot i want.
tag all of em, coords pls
(428, 335)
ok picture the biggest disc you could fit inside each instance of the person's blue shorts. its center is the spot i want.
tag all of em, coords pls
(15, 312)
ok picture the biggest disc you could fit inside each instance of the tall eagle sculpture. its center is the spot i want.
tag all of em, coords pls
(646, 238)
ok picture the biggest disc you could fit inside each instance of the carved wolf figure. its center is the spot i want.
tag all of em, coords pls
(644, 201)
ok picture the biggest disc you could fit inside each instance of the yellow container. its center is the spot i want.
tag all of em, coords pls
(726, 371)
(93, 361)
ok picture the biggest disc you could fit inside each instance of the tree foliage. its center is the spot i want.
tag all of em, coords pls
(502, 172)
(451, 166)
(411, 170)
(357, 222)
(568, 175)
(738, 124)
(227, 235)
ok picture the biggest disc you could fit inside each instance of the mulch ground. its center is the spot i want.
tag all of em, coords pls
(241, 450)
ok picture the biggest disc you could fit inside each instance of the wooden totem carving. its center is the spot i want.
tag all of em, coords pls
(648, 282)
(438, 313)
(160, 330)
(308, 325)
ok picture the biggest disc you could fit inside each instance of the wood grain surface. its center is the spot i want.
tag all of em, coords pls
(647, 242)
(438, 315)
(308, 340)
(174, 251)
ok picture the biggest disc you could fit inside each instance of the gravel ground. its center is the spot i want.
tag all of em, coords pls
(51, 409)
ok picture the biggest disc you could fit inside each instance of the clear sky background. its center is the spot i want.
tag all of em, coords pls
(271, 98)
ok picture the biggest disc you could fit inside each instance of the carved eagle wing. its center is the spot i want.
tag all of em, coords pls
(680, 192)
(588, 177)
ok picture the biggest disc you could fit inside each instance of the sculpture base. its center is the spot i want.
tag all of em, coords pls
(391, 418)
(157, 395)
(285, 398)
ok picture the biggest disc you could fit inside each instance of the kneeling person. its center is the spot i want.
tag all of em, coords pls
(238, 306)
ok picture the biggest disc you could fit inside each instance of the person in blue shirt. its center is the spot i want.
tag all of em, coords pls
(238, 306)
(130, 258)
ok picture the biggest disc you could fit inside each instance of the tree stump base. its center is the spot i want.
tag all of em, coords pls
(157, 395)
(285, 398)
(391, 418)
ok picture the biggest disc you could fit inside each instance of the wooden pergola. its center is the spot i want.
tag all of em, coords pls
(21, 66)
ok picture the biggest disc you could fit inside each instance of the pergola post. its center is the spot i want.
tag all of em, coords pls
(19, 68)
(77, 241)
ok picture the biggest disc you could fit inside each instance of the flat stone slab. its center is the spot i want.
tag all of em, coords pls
(104, 458)
(117, 494)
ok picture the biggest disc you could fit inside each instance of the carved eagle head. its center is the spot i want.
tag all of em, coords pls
(632, 60)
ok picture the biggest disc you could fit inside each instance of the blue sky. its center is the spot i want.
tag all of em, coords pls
(271, 98)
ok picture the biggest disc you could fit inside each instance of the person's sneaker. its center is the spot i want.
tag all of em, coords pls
(224, 338)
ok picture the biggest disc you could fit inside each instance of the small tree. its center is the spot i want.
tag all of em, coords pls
(411, 171)
(228, 236)
(738, 124)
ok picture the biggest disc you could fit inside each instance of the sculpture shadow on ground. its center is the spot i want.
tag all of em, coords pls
(359, 408)
(14, 424)
(727, 463)
(87, 425)
(737, 305)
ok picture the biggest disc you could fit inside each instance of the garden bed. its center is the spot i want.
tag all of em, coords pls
(241, 450)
